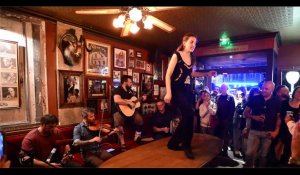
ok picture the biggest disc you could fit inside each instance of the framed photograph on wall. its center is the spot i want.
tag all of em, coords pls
(158, 71)
(9, 84)
(140, 64)
(96, 88)
(131, 63)
(98, 60)
(148, 68)
(120, 58)
(70, 89)
(129, 72)
(116, 76)
(139, 54)
(131, 53)
(147, 85)
(135, 77)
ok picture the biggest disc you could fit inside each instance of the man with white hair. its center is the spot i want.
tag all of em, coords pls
(225, 112)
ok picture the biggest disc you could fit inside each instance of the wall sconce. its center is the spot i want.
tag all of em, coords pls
(292, 77)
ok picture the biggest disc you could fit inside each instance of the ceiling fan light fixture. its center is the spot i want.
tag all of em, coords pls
(135, 14)
(147, 23)
(134, 28)
(119, 22)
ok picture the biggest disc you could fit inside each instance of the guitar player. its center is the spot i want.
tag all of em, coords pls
(122, 97)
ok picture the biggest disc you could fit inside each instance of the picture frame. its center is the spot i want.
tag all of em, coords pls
(9, 75)
(148, 68)
(156, 90)
(98, 60)
(97, 88)
(135, 77)
(70, 89)
(120, 58)
(139, 54)
(147, 84)
(162, 92)
(129, 72)
(131, 63)
(140, 64)
(131, 53)
(158, 71)
(117, 76)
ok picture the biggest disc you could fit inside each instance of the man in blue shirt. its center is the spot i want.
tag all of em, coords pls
(89, 141)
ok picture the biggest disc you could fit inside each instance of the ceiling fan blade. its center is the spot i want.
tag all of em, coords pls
(126, 29)
(98, 11)
(155, 9)
(160, 24)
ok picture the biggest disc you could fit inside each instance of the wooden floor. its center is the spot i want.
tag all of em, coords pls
(156, 154)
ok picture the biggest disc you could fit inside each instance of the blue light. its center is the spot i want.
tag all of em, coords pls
(237, 84)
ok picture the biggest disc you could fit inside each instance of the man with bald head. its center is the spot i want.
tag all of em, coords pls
(264, 112)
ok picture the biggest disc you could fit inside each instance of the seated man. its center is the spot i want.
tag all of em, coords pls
(89, 140)
(122, 105)
(161, 121)
(40, 144)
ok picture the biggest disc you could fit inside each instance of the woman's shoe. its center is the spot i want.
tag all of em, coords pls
(189, 154)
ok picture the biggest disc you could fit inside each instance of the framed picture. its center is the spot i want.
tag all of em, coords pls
(98, 60)
(140, 64)
(129, 72)
(158, 71)
(148, 68)
(96, 88)
(131, 64)
(139, 54)
(104, 105)
(136, 77)
(116, 76)
(147, 84)
(70, 89)
(9, 84)
(156, 90)
(131, 53)
(120, 58)
(162, 92)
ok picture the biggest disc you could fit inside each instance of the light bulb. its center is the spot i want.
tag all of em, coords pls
(135, 14)
(147, 23)
(134, 28)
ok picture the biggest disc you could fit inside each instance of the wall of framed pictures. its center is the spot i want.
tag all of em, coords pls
(83, 78)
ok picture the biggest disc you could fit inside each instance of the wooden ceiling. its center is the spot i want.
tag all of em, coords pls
(207, 22)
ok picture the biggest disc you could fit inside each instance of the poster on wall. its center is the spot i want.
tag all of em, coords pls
(9, 87)
(98, 60)
(70, 89)
(69, 49)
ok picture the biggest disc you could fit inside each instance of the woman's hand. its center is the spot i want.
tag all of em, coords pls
(212, 73)
(168, 98)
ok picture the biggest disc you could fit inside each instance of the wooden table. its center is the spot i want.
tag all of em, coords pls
(156, 154)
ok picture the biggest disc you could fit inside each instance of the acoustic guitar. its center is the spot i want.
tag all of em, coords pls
(127, 110)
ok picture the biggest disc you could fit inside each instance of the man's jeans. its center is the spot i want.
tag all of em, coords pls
(258, 146)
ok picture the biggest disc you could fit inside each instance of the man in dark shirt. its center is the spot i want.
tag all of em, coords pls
(124, 108)
(161, 121)
(225, 112)
(264, 112)
(89, 140)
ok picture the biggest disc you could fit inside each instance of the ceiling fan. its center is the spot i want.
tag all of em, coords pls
(129, 17)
